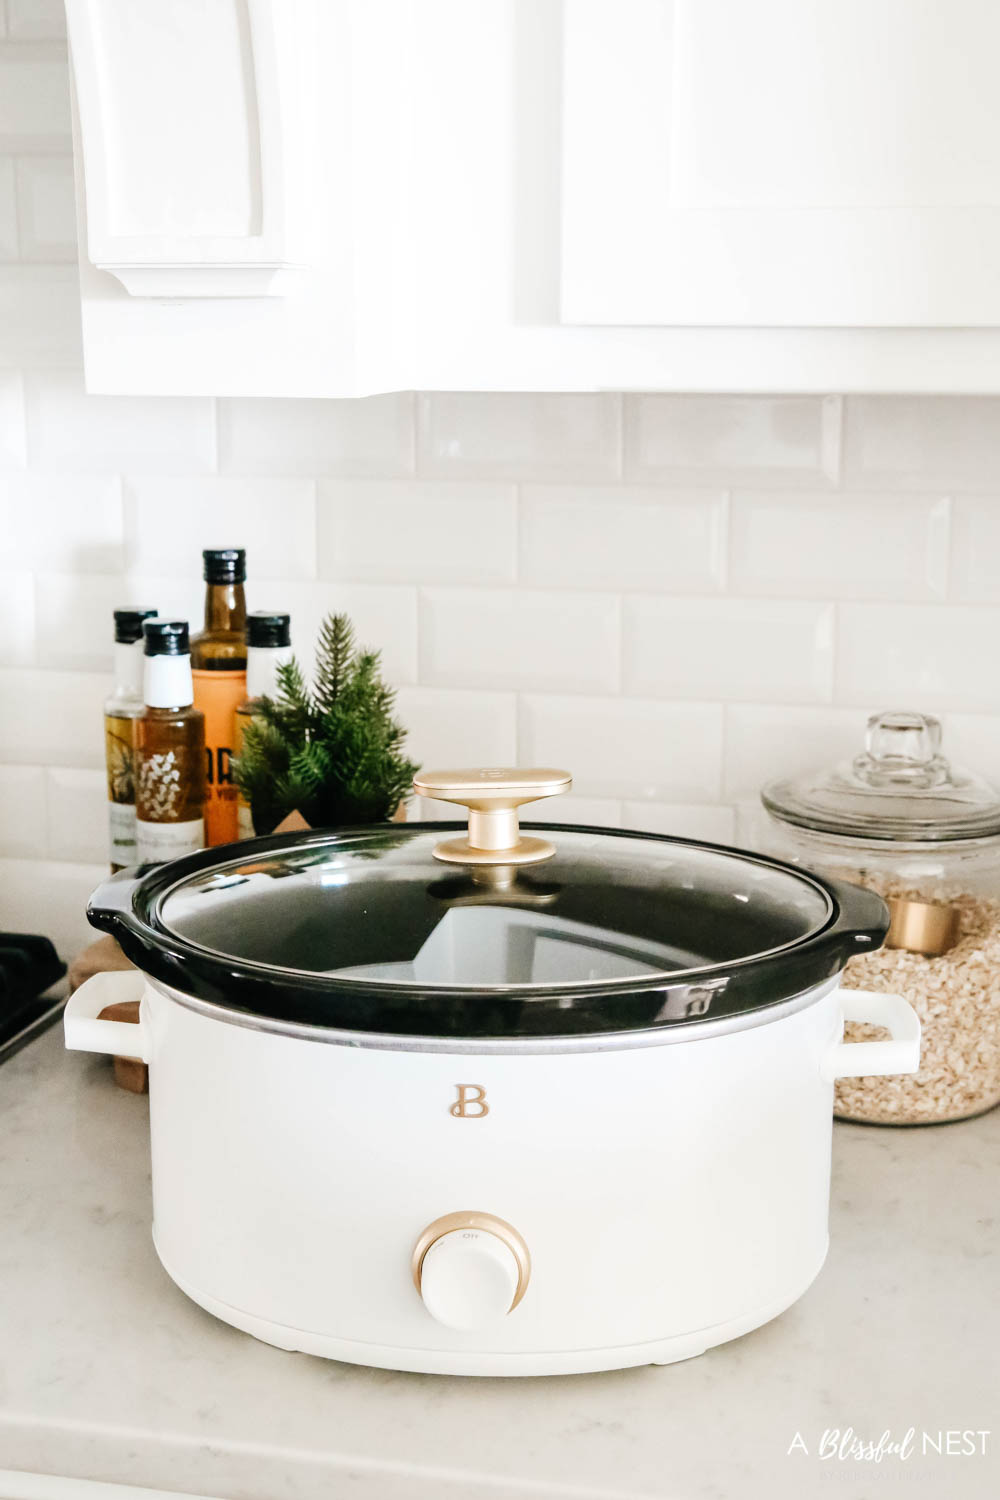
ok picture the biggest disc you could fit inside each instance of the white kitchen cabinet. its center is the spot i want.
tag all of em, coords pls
(785, 163)
(335, 197)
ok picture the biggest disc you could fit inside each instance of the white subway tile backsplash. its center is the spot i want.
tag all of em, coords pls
(527, 639)
(615, 538)
(386, 621)
(8, 210)
(51, 895)
(426, 810)
(11, 422)
(32, 20)
(764, 742)
(46, 208)
(733, 440)
(34, 98)
(839, 546)
(632, 748)
(728, 648)
(587, 812)
(938, 443)
(438, 532)
(754, 829)
(73, 619)
(63, 523)
(174, 598)
(973, 742)
(17, 619)
(22, 813)
(52, 718)
(919, 656)
(975, 549)
(71, 431)
(39, 317)
(373, 436)
(275, 520)
(519, 436)
(529, 604)
(77, 820)
(451, 728)
(713, 824)
(384, 617)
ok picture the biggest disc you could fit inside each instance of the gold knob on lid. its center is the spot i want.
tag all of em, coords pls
(493, 796)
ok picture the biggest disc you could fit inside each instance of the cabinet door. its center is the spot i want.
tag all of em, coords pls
(781, 163)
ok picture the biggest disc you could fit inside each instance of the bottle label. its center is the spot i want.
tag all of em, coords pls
(122, 849)
(162, 841)
(119, 756)
(218, 695)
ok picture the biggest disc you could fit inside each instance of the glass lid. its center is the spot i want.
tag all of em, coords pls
(377, 907)
(438, 930)
(900, 787)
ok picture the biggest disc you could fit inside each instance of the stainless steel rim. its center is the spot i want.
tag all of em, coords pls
(612, 1041)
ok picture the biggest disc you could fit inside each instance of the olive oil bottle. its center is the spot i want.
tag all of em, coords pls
(121, 712)
(219, 667)
(269, 645)
(170, 749)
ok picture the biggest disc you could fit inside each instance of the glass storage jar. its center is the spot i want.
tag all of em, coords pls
(926, 836)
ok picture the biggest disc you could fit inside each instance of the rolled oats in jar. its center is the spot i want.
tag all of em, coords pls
(926, 835)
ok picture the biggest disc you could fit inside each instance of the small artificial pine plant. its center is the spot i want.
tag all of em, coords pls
(333, 753)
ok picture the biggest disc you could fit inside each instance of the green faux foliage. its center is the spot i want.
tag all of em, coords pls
(333, 753)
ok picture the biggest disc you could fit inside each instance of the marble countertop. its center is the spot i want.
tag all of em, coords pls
(108, 1372)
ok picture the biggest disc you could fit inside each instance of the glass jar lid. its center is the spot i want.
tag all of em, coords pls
(900, 787)
(410, 929)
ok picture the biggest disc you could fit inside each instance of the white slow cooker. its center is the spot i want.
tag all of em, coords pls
(496, 1105)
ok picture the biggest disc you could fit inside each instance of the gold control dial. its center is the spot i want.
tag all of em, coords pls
(479, 1223)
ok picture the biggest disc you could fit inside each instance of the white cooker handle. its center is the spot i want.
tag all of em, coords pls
(868, 1059)
(85, 1033)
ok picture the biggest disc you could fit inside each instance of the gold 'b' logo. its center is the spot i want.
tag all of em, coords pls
(471, 1102)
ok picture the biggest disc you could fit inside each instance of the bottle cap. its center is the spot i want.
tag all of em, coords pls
(166, 638)
(128, 625)
(267, 630)
(224, 565)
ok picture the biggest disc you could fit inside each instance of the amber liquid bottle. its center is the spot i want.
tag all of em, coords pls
(269, 644)
(170, 749)
(219, 667)
(121, 711)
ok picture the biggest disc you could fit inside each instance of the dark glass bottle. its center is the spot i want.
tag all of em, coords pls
(219, 668)
(170, 749)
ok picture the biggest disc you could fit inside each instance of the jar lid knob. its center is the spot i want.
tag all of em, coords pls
(902, 746)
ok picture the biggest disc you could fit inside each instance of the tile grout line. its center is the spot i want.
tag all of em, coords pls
(16, 173)
(837, 440)
(519, 503)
